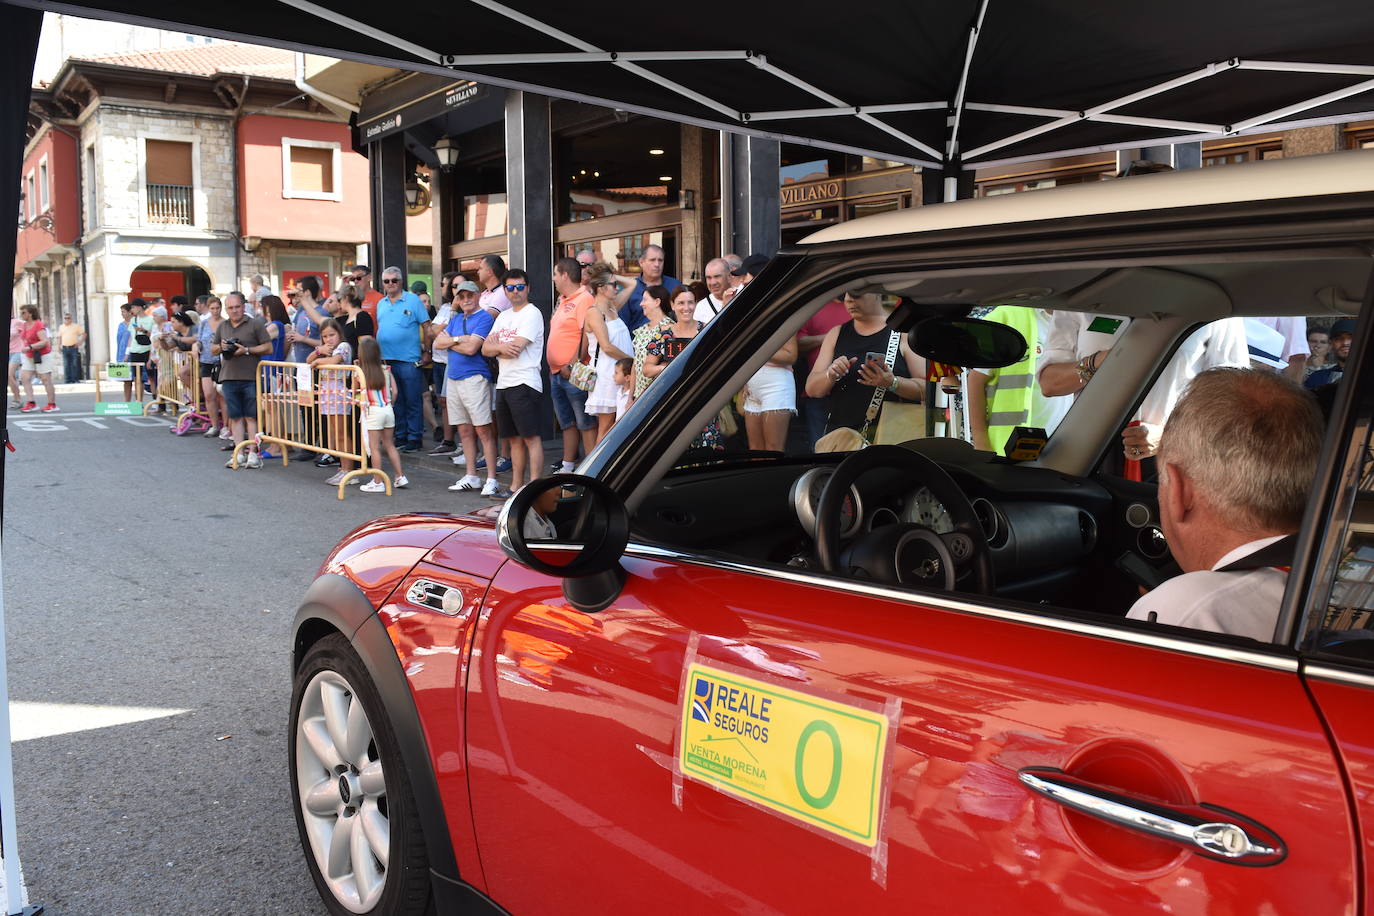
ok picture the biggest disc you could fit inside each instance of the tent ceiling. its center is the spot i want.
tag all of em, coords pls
(967, 82)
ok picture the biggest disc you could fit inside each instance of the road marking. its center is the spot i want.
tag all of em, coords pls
(44, 720)
(59, 424)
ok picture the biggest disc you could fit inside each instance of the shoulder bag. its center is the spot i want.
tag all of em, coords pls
(583, 375)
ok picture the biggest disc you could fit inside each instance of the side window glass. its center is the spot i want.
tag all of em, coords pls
(1344, 627)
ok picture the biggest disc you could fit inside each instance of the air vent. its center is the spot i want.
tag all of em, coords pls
(1138, 515)
(1150, 541)
(991, 521)
(1087, 530)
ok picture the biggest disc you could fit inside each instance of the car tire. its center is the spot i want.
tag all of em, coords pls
(355, 812)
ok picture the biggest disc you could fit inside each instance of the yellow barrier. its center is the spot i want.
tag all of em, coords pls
(317, 408)
(178, 380)
(100, 372)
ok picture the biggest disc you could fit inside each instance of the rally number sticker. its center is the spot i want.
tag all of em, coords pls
(802, 756)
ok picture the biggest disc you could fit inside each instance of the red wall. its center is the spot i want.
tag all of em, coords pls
(63, 201)
(268, 215)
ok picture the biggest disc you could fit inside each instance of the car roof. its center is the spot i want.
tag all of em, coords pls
(1305, 176)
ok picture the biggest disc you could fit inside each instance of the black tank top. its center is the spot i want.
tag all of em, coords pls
(849, 399)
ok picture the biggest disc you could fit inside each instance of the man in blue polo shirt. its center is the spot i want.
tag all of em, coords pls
(400, 315)
(632, 288)
(468, 394)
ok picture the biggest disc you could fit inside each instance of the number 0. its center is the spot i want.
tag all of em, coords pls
(837, 759)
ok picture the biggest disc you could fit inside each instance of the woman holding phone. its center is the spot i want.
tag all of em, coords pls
(863, 361)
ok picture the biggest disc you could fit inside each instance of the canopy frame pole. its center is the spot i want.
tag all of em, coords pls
(1296, 67)
(1185, 79)
(363, 28)
(1334, 96)
(1198, 126)
(761, 61)
(545, 29)
(587, 57)
(892, 108)
(952, 146)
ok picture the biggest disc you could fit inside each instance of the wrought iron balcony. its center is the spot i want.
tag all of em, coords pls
(171, 204)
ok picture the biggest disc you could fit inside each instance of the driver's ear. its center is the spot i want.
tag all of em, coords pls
(1180, 493)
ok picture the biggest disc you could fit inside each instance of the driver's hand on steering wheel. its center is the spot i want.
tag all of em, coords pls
(876, 375)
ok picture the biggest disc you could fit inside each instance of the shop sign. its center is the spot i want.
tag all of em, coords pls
(797, 194)
(431, 106)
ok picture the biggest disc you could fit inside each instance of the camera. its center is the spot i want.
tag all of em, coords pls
(230, 347)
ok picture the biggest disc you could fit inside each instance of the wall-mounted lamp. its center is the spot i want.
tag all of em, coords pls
(446, 150)
(251, 243)
(412, 193)
(687, 199)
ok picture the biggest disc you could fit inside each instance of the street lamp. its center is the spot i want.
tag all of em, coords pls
(447, 152)
(412, 193)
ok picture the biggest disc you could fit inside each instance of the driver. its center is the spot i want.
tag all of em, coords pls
(1236, 460)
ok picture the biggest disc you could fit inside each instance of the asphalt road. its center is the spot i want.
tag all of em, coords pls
(149, 593)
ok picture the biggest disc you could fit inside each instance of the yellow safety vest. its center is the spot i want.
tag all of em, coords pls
(1011, 389)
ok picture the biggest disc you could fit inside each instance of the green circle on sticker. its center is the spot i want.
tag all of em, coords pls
(837, 759)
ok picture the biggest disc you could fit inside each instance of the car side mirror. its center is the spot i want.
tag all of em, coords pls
(574, 528)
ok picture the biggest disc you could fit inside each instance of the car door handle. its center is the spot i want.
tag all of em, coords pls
(1206, 830)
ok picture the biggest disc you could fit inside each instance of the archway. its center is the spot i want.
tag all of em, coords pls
(168, 277)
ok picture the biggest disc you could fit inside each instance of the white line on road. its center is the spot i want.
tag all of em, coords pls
(44, 720)
(58, 424)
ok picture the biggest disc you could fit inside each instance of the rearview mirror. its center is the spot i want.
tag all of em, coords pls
(969, 343)
(572, 527)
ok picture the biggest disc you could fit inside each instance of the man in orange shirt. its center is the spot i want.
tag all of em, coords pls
(361, 278)
(561, 350)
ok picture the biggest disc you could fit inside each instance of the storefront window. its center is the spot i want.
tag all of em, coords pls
(618, 168)
(623, 252)
(484, 216)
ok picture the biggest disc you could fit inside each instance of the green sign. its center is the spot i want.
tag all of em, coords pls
(119, 408)
(119, 371)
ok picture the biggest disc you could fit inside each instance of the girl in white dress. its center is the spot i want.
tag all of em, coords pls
(609, 339)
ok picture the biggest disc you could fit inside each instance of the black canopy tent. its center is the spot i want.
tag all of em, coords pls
(949, 86)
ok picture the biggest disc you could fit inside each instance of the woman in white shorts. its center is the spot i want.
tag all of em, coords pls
(770, 401)
(36, 359)
(609, 340)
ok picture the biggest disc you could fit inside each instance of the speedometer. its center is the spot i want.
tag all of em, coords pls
(922, 508)
(806, 500)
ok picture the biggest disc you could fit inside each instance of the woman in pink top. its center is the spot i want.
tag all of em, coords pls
(16, 357)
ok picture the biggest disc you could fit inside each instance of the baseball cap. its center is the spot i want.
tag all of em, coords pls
(1342, 326)
(751, 266)
(466, 286)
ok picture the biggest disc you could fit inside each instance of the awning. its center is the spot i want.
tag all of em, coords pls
(947, 84)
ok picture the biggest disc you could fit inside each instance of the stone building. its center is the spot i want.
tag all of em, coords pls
(185, 171)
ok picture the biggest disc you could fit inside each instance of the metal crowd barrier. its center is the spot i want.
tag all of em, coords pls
(314, 408)
(115, 374)
(171, 395)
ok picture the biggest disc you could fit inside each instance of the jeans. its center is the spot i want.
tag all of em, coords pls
(569, 403)
(71, 363)
(410, 411)
(815, 411)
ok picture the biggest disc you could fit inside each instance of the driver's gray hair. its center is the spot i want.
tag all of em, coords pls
(1249, 440)
(392, 270)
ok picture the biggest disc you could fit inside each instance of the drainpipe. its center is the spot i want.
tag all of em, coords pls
(238, 186)
(318, 94)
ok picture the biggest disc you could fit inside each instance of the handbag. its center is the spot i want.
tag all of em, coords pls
(583, 375)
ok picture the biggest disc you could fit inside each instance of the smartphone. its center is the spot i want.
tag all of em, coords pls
(873, 357)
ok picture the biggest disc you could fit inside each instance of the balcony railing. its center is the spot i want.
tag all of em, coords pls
(170, 204)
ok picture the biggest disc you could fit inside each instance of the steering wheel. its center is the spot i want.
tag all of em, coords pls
(906, 553)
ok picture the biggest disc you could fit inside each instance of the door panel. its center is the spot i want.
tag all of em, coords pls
(573, 721)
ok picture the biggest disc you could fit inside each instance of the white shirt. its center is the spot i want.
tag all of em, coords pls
(494, 298)
(1244, 602)
(1074, 335)
(528, 323)
(1046, 412)
(1294, 331)
(1217, 343)
(704, 312)
(440, 322)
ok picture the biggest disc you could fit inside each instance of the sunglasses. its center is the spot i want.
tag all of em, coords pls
(390, 280)
(515, 287)
(355, 279)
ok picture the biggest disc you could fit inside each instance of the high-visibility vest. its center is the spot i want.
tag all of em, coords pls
(1011, 389)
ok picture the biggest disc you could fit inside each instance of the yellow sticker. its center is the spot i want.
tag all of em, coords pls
(803, 756)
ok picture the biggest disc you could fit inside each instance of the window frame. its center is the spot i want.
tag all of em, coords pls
(199, 200)
(44, 185)
(336, 166)
(31, 194)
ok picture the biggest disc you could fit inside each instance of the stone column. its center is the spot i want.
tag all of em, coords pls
(1309, 141)
(695, 245)
(386, 169)
(755, 198)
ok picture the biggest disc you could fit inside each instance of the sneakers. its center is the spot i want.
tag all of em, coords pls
(230, 464)
(374, 486)
(467, 484)
(502, 464)
(408, 448)
(326, 461)
(338, 479)
(212, 432)
(51, 408)
(254, 460)
(445, 448)
(401, 482)
(458, 456)
(226, 433)
(498, 492)
(29, 407)
(491, 488)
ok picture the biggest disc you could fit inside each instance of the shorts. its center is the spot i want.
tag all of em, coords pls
(469, 401)
(16, 358)
(441, 380)
(43, 366)
(517, 412)
(569, 403)
(240, 399)
(209, 370)
(771, 388)
(379, 416)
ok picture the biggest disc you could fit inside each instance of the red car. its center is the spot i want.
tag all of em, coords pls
(890, 680)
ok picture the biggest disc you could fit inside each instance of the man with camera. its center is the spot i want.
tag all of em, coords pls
(241, 342)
